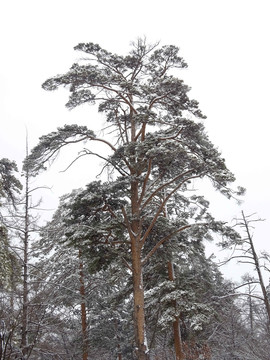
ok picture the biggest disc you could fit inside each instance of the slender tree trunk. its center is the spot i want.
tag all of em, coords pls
(138, 293)
(2, 338)
(178, 346)
(24, 339)
(13, 288)
(83, 312)
(258, 268)
(251, 316)
(119, 352)
(141, 350)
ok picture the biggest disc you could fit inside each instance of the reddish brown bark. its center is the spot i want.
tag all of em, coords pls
(83, 313)
(137, 274)
(196, 351)
(119, 353)
(178, 345)
(138, 293)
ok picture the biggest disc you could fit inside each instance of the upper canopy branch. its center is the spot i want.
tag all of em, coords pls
(147, 108)
(159, 210)
(163, 240)
(50, 145)
(164, 185)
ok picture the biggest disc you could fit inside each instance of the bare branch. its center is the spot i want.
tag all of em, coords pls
(127, 264)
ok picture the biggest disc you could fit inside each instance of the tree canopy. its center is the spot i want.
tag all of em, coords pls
(157, 147)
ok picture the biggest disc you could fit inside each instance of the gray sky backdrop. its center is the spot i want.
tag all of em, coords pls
(225, 43)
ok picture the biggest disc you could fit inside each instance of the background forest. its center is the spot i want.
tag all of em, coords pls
(120, 271)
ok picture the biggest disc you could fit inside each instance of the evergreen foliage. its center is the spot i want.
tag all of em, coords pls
(144, 217)
(9, 184)
(10, 187)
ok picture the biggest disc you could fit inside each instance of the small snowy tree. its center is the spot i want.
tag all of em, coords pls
(10, 188)
(83, 281)
(244, 251)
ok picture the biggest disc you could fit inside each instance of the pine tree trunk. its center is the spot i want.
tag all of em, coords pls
(251, 316)
(119, 353)
(137, 273)
(83, 313)
(24, 338)
(13, 288)
(178, 346)
(24, 342)
(138, 293)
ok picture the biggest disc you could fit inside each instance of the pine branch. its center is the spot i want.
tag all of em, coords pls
(147, 232)
(166, 238)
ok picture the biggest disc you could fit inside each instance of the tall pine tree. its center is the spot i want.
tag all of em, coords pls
(156, 139)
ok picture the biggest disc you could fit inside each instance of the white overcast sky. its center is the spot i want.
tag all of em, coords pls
(225, 43)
